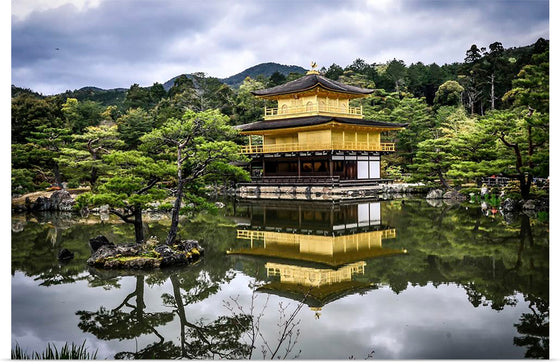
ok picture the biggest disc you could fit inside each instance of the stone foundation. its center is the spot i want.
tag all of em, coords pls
(382, 191)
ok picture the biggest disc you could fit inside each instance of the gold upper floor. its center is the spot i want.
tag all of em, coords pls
(299, 105)
(313, 102)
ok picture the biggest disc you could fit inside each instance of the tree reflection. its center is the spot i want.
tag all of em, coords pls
(219, 339)
(107, 324)
(534, 328)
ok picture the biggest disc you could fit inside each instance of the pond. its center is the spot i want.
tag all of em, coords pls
(310, 280)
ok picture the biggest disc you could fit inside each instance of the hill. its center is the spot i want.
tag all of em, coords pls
(108, 97)
(17, 91)
(264, 69)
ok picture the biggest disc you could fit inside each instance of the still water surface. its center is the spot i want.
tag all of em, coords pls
(383, 280)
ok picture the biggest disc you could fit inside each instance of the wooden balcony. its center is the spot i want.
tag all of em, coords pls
(307, 147)
(273, 113)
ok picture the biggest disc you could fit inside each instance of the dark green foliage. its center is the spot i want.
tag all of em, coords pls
(18, 91)
(334, 72)
(449, 94)
(137, 96)
(248, 108)
(30, 112)
(264, 69)
(276, 79)
(79, 115)
(81, 159)
(114, 96)
(134, 124)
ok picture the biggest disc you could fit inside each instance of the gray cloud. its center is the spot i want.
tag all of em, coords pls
(117, 43)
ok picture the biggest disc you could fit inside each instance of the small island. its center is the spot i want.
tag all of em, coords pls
(148, 255)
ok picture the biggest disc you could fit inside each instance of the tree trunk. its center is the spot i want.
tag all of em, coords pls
(93, 176)
(138, 226)
(442, 180)
(525, 185)
(57, 176)
(492, 98)
(180, 311)
(175, 214)
(140, 305)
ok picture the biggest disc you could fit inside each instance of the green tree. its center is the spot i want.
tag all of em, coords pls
(82, 158)
(81, 114)
(396, 72)
(438, 155)
(131, 183)
(182, 96)
(522, 137)
(531, 88)
(417, 114)
(30, 112)
(334, 71)
(212, 93)
(47, 142)
(448, 94)
(197, 142)
(111, 114)
(134, 124)
(137, 96)
(276, 79)
(157, 92)
(248, 108)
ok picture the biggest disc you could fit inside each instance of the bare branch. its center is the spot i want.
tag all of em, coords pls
(150, 185)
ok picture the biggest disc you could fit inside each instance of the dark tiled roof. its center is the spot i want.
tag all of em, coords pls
(312, 120)
(308, 82)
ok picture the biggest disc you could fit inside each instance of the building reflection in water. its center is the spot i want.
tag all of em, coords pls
(314, 252)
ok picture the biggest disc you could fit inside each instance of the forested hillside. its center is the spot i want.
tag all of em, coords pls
(265, 70)
(485, 115)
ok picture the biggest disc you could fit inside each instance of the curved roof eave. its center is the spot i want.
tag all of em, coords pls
(311, 121)
(309, 82)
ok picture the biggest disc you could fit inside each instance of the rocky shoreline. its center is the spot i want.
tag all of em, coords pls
(506, 204)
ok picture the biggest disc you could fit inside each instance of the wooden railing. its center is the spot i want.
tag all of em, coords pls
(271, 113)
(297, 181)
(305, 147)
(294, 238)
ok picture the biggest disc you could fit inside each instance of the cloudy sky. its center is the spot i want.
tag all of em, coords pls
(68, 44)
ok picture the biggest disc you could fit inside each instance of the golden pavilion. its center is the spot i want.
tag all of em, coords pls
(314, 136)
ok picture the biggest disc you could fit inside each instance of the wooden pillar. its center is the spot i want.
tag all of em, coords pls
(331, 166)
(262, 157)
(298, 166)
